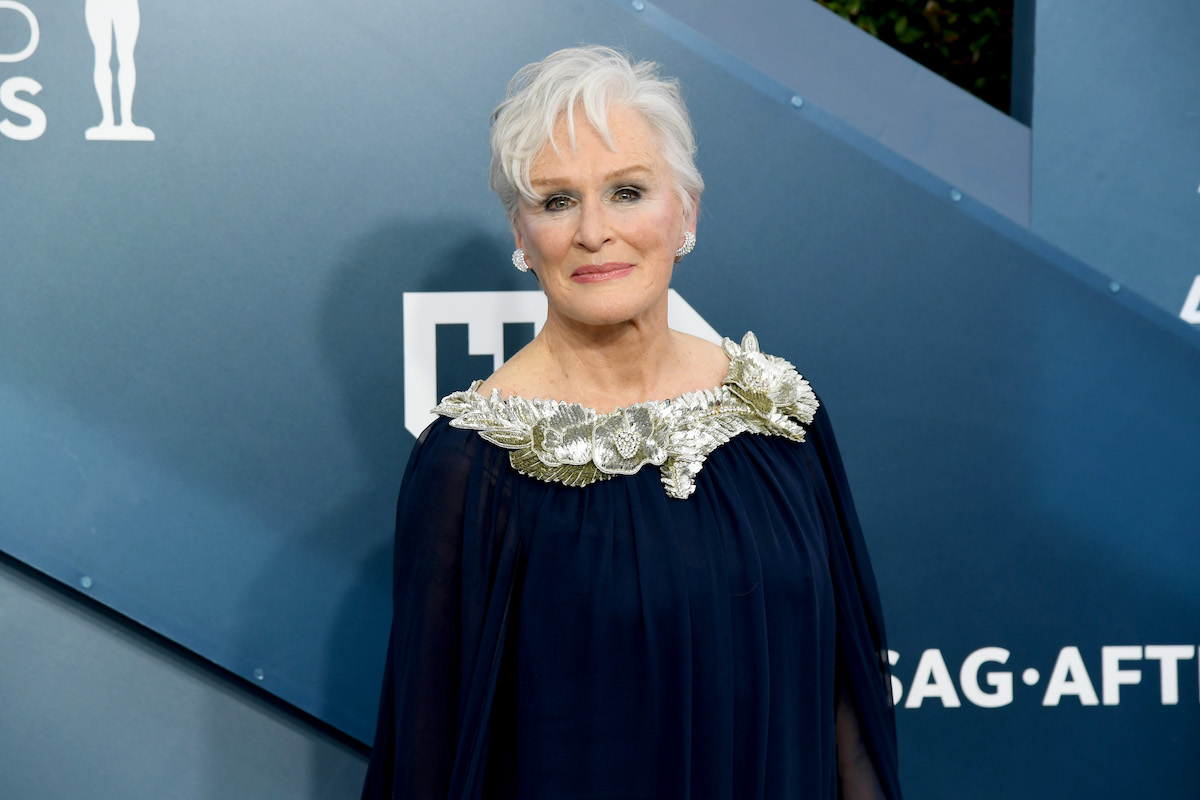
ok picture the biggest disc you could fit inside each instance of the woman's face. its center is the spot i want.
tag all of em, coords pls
(603, 242)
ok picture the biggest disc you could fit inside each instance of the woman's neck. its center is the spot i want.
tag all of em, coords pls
(611, 366)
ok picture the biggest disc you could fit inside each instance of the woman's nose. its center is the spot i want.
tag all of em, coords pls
(594, 226)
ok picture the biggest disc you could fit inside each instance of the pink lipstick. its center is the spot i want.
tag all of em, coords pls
(594, 273)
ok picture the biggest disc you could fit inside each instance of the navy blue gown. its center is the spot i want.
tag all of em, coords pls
(609, 641)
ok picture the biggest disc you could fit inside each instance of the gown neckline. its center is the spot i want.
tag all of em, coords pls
(568, 443)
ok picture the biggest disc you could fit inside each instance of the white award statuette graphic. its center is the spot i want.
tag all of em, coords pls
(120, 20)
(12, 89)
(485, 314)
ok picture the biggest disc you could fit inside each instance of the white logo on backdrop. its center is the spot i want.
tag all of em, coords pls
(34, 33)
(108, 21)
(1191, 306)
(1069, 681)
(120, 20)
(12, 89)
(485, 314)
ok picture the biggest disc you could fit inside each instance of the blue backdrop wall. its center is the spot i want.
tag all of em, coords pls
(203, 380)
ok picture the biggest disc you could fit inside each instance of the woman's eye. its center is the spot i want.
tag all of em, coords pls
(558, 203)
(627, 193)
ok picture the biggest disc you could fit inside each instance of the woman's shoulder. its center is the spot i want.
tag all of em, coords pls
(706, 364)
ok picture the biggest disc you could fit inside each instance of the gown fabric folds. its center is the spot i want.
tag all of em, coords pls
(609, 641)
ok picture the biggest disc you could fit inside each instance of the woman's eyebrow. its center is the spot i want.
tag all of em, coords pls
(617, 173)
(623, 171)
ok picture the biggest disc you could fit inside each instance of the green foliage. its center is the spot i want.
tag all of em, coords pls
(968, 42)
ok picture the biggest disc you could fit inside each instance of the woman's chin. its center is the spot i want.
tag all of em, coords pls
(603, 317)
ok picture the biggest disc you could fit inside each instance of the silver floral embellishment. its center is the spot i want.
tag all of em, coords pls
(564, 436)
(629, 438)
(768, 384)
(573, 445)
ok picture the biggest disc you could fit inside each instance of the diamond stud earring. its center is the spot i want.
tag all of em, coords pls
(689, 244)
(518, 259)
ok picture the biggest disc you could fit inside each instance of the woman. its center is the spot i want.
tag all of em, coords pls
(653, 585)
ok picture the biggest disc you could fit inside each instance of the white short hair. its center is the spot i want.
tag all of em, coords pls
(594, 79)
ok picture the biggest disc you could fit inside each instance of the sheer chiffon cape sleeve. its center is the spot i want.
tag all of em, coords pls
(469, 529)
(455, 557)
(867, 739)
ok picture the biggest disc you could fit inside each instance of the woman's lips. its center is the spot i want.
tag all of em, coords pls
(593, 273)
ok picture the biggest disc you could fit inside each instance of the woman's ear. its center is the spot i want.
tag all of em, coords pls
(518, 238)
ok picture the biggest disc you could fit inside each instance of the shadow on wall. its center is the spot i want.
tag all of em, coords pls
(361, 340)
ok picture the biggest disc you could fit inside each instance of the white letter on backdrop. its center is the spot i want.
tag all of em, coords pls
(1191, 306)
(1070, 676)
(1169, 656)
(932, 679)
(9, 100)
(968, 678)
(1113, 676)
(897, 687)
(34, 32)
